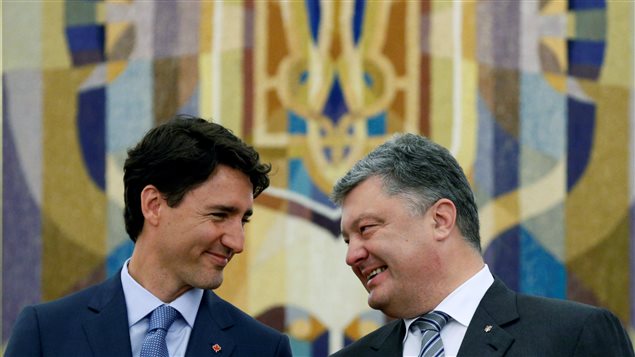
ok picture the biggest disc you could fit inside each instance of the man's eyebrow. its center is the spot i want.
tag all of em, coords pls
(230, 209)
(365, 216)
(356, 221)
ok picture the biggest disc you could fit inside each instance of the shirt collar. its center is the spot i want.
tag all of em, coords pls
(140, 302)
(461, 304)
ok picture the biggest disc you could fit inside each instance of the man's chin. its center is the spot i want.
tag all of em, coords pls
(383, 304)
(376, 302)
(213, 287)
(211, 284)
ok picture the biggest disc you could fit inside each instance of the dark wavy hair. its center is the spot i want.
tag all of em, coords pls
(177, 157)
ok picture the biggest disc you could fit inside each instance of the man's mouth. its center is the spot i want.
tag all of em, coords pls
(219, 258)
(375, 272)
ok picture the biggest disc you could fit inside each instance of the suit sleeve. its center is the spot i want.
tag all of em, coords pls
(603, 335)
(284, 348)
(25, 338)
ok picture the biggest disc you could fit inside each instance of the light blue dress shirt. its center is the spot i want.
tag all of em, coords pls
(140, 303)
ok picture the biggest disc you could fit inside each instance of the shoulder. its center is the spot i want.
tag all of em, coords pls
(69, 310)
(65, 307)
(381, 337)
(39, 323)
(551, 313)
(506, 305)
(558, 324)
(592, 330)
(242, 320)
(569, 311)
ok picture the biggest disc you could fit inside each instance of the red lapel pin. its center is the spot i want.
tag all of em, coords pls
(216, 348)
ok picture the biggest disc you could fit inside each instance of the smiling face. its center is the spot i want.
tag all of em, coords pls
(391, 249)
(190, 244)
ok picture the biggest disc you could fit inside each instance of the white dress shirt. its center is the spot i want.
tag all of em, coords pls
(461, 305)
(140, 303)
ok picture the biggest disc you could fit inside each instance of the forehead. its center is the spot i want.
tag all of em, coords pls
(225, 184)
(366, 197)
(365, 189)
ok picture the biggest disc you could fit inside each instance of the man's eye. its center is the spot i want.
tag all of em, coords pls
(366, 228)
(219, 216)
(246, 220)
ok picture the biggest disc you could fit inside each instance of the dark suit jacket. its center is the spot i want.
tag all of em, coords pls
(521, 325)
(94, 322)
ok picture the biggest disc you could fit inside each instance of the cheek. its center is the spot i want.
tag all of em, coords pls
(415, 259)
(357, 273)
(429, 263)
(201, 229)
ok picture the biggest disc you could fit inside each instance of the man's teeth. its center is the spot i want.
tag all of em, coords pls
(375, 272)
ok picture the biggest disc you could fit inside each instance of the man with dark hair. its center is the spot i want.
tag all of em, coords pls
(189, 191)
(412, 228)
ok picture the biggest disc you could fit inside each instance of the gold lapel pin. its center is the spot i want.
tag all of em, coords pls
(216, 348)
(488, 328)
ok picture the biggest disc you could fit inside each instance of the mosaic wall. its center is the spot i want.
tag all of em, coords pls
(534, 98)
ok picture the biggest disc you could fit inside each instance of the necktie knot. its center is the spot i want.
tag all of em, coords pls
(434, 320)
(162, 317)
(430, 326)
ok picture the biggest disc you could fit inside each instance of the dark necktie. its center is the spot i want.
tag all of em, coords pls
(430, 326)
(161, 319)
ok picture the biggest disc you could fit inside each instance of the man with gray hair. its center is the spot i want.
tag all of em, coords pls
(411, 225)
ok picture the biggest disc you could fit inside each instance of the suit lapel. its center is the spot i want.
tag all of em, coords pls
(106, 325)
(388, 340)
(486, 335)
(211, 329)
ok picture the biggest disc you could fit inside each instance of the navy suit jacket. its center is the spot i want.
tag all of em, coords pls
(94, 322)
(521, 325)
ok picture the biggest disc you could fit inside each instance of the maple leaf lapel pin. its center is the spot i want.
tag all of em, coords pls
(216, 347)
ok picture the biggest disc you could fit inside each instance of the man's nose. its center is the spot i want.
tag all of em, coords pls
(356, 251)
(234, 236)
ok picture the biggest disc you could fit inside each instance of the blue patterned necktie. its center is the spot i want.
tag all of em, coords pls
(430, 326)
(161, 319)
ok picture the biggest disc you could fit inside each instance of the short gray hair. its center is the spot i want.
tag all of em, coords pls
(421, 171)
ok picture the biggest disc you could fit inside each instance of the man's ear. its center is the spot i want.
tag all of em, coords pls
(444, 215)
(151, 201)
